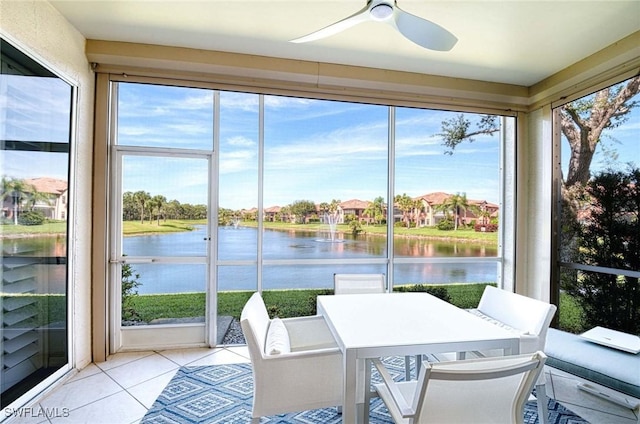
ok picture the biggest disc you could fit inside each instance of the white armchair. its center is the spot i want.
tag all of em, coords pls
(487, 390)
(529, 318)
(296, 362)
(358, 283)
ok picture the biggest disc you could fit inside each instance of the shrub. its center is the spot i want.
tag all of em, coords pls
(31, 218)
(356, 227)
(130, 286)
(609, 239)
(488, 228)
(445, 225)
(439, 292)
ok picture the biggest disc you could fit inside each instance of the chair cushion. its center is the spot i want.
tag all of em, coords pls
(496, 322)
(609, 367)
(277, 338)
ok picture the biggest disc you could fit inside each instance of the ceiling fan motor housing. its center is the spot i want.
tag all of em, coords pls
(381, 11)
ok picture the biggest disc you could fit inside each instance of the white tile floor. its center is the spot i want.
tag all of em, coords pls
(122, 389)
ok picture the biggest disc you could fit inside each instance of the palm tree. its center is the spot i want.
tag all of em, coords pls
(33, 197)
(375, 210)
(141, 198)
(333, 206)
(407, 205)
(370, 211)
(158, 203)
(15, 189)
(456, 203)
(482, 213)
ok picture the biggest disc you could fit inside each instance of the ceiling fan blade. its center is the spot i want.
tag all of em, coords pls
(423, 32)
(358, 17)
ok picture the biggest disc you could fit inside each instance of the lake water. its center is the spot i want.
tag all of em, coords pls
(241, 244)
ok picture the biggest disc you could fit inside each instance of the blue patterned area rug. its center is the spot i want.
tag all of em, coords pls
(223, 394)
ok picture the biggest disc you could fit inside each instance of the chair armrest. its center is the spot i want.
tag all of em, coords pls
(309, 333)
(530, 343)
(398, 399)
(302, 354)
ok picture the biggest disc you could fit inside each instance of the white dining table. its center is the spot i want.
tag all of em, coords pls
(399, 324)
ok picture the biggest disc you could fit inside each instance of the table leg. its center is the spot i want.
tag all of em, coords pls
(367, 391)
(350, 369)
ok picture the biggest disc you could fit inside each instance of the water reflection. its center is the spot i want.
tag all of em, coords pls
(241, 244)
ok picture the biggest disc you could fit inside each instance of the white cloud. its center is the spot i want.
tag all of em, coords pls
(241, 141)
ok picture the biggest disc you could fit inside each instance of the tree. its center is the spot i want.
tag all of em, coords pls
(609, 238)
(334, 205)
(456, 203)
(582, 123)
(157, 204)
(173, 209)
(302, 209)
(285, 213)
(16, 190)
(456, 130)
(141, 198)
(225, 216)
(408, 207)
(324, 207)
(375, 210)
(129, 207)
(32, 197)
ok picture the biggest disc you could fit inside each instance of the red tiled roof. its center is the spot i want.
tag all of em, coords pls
(48, 185)
(354, 204)
(436, 198)
(439, 197)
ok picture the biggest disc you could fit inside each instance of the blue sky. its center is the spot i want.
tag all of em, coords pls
(40, 114)
(314, 150)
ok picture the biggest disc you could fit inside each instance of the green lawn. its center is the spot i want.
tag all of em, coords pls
(55, 227)
(427, 232)
(291, 303)
(282, 303)
(129, 227)
(173, 225)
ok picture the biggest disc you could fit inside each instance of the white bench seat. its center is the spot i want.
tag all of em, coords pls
(608, 367)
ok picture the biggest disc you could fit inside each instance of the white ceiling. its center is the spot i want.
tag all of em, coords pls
(511, 41)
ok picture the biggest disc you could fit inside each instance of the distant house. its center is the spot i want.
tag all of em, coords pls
(57, 191)
(428, 214)
(272, 213)
(353, 207)
(249, 214)
(431, 214)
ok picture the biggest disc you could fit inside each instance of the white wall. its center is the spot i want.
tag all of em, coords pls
(41, 32)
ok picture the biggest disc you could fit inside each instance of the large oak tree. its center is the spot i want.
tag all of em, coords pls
(582, 122)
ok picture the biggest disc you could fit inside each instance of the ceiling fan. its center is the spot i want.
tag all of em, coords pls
(421, 31)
